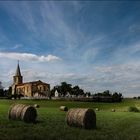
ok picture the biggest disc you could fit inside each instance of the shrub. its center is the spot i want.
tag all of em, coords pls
(133, 109)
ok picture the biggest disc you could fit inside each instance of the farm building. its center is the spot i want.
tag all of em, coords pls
(57, 94)
(29, 89)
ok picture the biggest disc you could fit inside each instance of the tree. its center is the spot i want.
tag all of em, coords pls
(1, 90)
(58, 88)
(88, 94)
(53, 91)
(75, 90)
(1, 87)
(117, 97)
(106, 93)
(9, 92)
(64, 88)
(81, 92)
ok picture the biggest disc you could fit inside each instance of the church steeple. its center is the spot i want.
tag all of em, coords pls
(17, 78)
(18, 73)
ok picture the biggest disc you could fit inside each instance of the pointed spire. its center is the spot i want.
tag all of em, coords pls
(18, 73)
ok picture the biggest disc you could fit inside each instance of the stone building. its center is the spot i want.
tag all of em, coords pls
(29, 89)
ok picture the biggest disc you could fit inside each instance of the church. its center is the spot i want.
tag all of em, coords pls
(29, 89)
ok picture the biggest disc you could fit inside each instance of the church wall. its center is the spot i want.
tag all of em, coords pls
(31, 89)
(24, 89)
(44, 88)
(13, 89)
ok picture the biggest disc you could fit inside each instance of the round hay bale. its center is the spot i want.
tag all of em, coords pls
(81, 117)
(22, 112)
(36, 106)
(96, 109)
(113, 110)
(63, 108)
(15, 111)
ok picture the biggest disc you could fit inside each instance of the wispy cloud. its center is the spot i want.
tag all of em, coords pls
(29, 57)
(17, 46)
(98, 42)
(116, 78)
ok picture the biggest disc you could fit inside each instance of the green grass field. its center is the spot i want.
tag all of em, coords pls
(119, 125)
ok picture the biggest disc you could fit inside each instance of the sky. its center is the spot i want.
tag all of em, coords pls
(93, 44)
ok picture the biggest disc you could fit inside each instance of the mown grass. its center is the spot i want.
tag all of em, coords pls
(119, 125)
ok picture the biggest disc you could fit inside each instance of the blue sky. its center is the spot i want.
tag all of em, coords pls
(95, 45)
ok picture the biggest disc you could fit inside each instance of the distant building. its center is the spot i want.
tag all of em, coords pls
(68, 95)
(57, 94)
(29, 89)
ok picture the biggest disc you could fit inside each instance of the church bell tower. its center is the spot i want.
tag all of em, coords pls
(17, 79)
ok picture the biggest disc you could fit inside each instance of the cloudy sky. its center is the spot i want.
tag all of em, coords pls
(95, 45)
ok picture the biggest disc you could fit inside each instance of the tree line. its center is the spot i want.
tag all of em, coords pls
(65, 88)
(105, 96)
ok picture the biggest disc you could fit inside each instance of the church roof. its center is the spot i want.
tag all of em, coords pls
(18, 73)
(33, 82)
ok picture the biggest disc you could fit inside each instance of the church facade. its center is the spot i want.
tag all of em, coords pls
(29, 89)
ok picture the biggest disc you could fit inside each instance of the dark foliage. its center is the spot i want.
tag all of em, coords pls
(107, 96)
(136, 97)
(1, 93)
(65, 88)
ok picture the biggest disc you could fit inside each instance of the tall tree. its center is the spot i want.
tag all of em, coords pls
(1, 90)
(65, 88)
(75, 90)
(1, 87)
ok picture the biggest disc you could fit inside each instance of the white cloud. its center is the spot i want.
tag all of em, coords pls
(124, 78)
(75, 44)
(29, 57)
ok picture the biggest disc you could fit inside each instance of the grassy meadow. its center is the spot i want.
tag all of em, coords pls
(119, 125)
